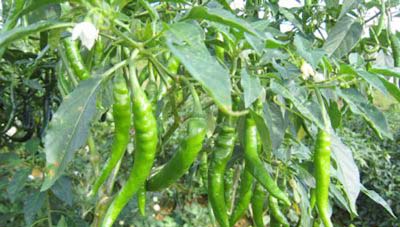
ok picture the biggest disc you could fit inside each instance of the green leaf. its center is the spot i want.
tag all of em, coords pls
(334, 114)
(287, 71)
(256, 43)
(299, 102)
(220, 16)
(343, 37)
(32, 206)
(304, 203)
(62, 188)
(62, 222)
(252, 88)
(347, 170)
(340, 197)
(37, 4)
(304, 49)
(347, 6)
(395, 72)
(9, 159)
(291, 17)
(378, 199)
(276, 123)
(373, 80)
(263, 130)
(391, 88)
(69, 128)
(17, 184)
(186, 42)
(359, 105)
(21, 32)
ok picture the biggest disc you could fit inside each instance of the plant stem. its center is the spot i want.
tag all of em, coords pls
(49, 220)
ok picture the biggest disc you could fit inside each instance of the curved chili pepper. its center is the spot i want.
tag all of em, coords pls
(75, 59)
(187, 154)
(276, 212)
(257, 205)
(255, 164)
(122, 121)
(146, 140)
(220, 156)
(245, 194)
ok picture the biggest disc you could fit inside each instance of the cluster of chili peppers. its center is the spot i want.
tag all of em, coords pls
(131, 104)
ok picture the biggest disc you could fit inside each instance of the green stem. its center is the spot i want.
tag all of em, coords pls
(323, 110)
(49, 219)
(197, 104)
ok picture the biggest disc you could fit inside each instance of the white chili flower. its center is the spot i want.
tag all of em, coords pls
(306, 70)
(155, 199)
(86, 32)
(318, 77)
(238, 4)
(156, 207)
(11, 131)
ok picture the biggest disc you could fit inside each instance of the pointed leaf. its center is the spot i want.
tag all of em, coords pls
(373, 80)
(62, 222)
(391, 88)
(347, 170)
(37, 4)
(32, 206)
(395, 72)
(359, 105)
(290, 16)
(251, 88)
(343, 37)
(347, 6)
(301, 105)
(378, 199)
(17, 184)
(304, 48)
(276, 123)
(263, 130)
(186, 42)
(220, 16)
(62, 188)
(21, 32)
(69, 128)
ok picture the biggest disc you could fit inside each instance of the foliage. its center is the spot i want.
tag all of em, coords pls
(57, 126)
(379, 168)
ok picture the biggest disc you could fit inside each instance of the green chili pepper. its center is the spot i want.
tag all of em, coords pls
(122, 121)
(255, 164)
(141, 200)
(313, 198)
(220, 51)
(395, 44)
(98, 52)
(183, 158)
(257, 205)
(276, 212)
(244, 198)
(228, 186)
(273, 222)
(203, 168)
(187, 154)
(145, 148)
(221, 154)
(382, 18)
(322, 167)
(75, 59)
